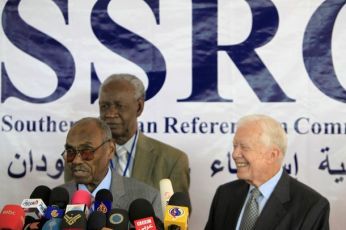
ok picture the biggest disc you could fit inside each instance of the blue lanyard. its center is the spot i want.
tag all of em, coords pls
(129, 158)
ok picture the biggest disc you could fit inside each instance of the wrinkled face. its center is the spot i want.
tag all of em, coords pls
(253, 159)
(89, 136)
(119, 109)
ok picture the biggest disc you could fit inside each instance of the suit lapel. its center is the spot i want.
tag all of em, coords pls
(118, 190)
(235, 205)
(274, 210)
(145, 159)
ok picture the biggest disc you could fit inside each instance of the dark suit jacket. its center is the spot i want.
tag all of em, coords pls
(124, 191)
(292, 205)
(154, 161)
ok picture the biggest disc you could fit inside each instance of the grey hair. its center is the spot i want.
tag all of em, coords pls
(273, 132)
(133, 80)
(100, 123)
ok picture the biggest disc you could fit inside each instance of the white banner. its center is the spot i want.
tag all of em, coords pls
(205, 64)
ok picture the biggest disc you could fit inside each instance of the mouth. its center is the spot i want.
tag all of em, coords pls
(78, 171)
(241, 164)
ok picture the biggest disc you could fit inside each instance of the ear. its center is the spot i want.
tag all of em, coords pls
(111, 152)
(140, 106)
(274, 154)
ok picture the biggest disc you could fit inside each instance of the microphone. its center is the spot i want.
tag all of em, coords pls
(103, 201)
(52, 224)
(142, 215)
(58, 200)
(74, 220)
(96, 221)
(177, 212)
(81, 201)
(117, 219)
(35, 206)
(12, 217)
(166, 191)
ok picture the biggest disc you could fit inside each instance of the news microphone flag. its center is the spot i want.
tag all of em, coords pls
(176, 216)
(34, 207)
(145, 223)
(12, 217)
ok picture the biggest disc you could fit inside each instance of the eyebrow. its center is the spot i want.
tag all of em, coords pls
(85, 145)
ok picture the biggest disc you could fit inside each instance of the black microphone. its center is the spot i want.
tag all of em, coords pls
(117, 219)
(96, 221)
(141, 214)
(36, 205)
(74, 220)
(103, 201)
(58, 200)
(177, 212)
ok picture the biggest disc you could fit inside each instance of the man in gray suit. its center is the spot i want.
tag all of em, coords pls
(89, 148)
(265, 196)
(121, 102)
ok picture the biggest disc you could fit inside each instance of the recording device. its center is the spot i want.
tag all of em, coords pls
(103, 201)
(81, 201)
(141, 212)
(74, 220)
(166, 191)
(58, 200)
(96, 221)
(177, 212)
(117, 219)
(35, 206)
(12, 217)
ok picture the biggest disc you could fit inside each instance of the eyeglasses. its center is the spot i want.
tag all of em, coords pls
(85, 154)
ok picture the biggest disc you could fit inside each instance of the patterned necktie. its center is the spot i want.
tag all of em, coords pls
(251, 211)
(122, 160)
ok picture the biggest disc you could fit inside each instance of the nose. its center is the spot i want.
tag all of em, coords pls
(77, 159)
(112, 111)
(236, 152)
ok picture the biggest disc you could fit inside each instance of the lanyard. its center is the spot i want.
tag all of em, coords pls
(129, 158)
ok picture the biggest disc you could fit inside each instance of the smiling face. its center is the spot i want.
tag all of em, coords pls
(119, 108)
(256, 160)
(86, 134)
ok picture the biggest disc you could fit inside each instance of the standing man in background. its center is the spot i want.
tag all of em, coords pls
(265, 196)
(121, 102)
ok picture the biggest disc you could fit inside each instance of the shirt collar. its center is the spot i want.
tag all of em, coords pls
(105, 184)
(268, 187)
(128, 144)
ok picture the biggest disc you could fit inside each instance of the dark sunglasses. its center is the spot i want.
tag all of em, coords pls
(85, 154)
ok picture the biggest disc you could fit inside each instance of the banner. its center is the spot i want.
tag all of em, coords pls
(204, 63)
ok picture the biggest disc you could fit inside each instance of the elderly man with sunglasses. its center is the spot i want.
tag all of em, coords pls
(88, 150)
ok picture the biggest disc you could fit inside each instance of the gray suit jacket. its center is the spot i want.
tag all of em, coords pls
(124, 191)
(291, 206)
(154, 161)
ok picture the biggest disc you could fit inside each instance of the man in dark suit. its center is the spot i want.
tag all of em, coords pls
(121, 102)
(265, 197)
(89, 148)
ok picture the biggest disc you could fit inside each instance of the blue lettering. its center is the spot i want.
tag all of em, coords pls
(128, 45)
(204, 53)
(62, 63)
(317, 50)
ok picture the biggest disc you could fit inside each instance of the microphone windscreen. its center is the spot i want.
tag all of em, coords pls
(52, 224)
(81, 197)
(180, 199)
(12, 217)
(104, 194)
(118, 219)
(139, 209)
(103, 201)
(59, 197)
(166, 191)
(96, 221)
(41, 192)
(74, 220)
